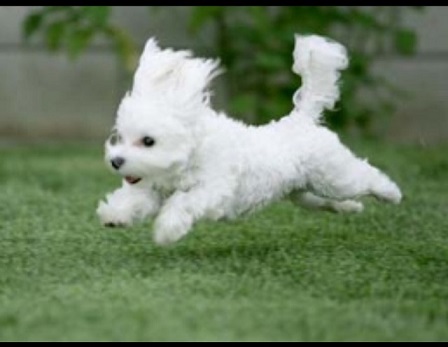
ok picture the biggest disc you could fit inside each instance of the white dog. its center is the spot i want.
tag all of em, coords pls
(182, 161)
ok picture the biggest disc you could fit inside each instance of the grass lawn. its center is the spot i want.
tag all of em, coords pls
(280, 274)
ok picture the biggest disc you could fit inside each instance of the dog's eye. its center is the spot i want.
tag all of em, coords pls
(148, 141)
(114, 138)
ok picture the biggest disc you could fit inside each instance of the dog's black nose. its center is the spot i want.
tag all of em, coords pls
(117, 162)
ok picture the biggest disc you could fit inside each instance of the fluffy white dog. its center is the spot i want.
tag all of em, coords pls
(182, 161)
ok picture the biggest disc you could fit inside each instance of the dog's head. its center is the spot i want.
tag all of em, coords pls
(157, 124)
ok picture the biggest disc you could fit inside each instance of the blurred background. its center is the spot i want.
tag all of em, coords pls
(64, 68)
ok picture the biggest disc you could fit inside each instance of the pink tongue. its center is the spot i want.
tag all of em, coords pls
(132, 180)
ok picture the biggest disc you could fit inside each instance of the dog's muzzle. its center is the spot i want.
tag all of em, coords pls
(117, 162)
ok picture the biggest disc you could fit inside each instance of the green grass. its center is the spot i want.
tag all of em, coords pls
(280, 274)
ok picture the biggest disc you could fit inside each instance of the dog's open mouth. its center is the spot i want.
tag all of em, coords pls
(132, 180)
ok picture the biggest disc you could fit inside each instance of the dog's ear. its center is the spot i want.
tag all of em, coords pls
(165, 73)
(154, 66)
(151, 47)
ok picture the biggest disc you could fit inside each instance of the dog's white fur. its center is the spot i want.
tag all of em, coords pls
(206, 165)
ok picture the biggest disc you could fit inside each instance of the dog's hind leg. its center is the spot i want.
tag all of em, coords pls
(343, 176)
(311, 201)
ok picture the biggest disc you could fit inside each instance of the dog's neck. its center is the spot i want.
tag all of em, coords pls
(182, 176)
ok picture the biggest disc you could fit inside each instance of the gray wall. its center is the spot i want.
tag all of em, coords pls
(47, 96)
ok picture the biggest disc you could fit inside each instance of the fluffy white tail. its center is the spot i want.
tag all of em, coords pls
(318, 60)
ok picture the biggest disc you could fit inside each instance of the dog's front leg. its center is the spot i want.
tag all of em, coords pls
(128, 204)
(183, 209)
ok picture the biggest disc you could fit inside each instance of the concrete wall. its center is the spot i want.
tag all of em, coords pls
(47, 96)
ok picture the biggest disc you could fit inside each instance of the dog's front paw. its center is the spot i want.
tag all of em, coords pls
(111, 216)
(170, 227)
